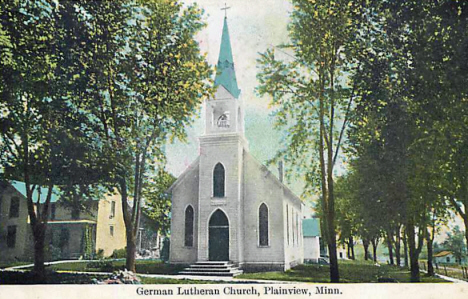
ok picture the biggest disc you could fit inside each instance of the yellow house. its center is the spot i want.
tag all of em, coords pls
(71, 232)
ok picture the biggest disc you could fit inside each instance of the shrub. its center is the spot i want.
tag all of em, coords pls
(100, 254)
(102, 265)
(119, 253)
(165, 250)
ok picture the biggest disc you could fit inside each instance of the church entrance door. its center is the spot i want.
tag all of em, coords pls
(218, 238)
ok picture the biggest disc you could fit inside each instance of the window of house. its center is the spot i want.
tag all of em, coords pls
(14, 207)
(287, 223)
(218, 180)
(448, 259)
(111, 230)
(263, 225)
(112, 213)
(297, 229)
(11, 236)
(189, 226)
(52, 211)
(293, 230)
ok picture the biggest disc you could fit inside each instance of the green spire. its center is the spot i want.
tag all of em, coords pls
(225, 74)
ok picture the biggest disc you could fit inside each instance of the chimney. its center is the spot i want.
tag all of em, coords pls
(280, 171)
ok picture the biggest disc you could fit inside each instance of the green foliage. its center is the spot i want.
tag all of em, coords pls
(157, 200)
(165, 249)
(312, 97)
(101, 265)
(455, 243)
(92, 90)
(119, 253)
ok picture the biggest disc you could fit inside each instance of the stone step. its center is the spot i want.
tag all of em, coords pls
(221, 263)
(231, 274)
(211, 266)
(209, 269)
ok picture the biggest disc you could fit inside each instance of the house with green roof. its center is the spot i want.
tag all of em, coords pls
(311, 234)
(71, 232)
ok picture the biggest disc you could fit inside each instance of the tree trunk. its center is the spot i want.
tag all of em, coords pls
(39, 239)
(429, 241)
(131, 251)
(405, 248)
(365, 243)
(131, 242)
(465, 220)
(390, 247)
(348, 250)
(374, 242)
(398, 247)
(351, 245)
(413, 252)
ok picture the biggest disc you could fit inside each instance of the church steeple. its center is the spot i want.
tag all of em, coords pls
(225, 73)
(225, 111)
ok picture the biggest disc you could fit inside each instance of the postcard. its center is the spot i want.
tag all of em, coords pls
(270, 148)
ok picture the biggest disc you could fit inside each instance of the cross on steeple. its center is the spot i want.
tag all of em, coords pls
(225, 8)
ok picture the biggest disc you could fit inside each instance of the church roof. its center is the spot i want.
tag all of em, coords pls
(225, 72)
(311, 227)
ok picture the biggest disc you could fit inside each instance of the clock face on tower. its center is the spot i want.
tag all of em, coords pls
(223, 121)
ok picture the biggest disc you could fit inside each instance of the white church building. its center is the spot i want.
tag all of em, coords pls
(227, 206)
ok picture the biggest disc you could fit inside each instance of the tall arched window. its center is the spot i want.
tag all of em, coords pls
(218, 180)
(189, 226)
(263, 224)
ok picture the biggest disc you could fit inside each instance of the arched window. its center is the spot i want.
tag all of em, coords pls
(223, 120)
(189, 226)
(218, 180)
(263, 224)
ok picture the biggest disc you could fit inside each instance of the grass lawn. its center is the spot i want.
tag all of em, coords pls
(142, 266)
(350, 271)
(10, 277)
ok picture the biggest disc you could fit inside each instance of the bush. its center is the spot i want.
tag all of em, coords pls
(165, 250)
(119, 253)
(100, 254)
(102, 265)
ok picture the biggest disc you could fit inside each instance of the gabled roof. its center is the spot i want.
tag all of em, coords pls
(39, 192)
(273, 177)
(311, 227)
(442, 253)
(183, 175)
(225, 73)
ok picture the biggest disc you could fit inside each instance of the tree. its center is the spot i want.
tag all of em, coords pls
(312, 97)
(147, 80)
(157, 202)
(455, 243)
(347, 218)
(44, 136)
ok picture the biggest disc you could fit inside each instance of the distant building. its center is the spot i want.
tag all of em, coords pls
(227, 206)
(71, 233)
(446, 257)
(311, 233)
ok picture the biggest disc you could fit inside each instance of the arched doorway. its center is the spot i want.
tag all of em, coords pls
(218, 238)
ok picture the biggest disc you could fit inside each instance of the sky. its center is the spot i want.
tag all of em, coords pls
(254, 26)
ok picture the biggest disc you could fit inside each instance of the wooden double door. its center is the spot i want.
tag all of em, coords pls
(218, 237)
